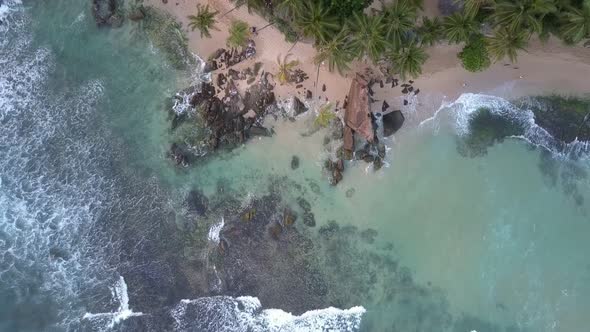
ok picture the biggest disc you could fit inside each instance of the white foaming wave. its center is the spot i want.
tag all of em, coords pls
(245, 313)
(51, 192)
(110, 319)
(460, 111)
(214, 231)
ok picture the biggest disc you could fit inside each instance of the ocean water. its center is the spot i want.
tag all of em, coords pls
(93, 215)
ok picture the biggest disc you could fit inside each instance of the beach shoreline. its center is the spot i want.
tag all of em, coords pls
(546, 68)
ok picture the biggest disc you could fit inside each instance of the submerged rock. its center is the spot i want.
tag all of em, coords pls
(294, 163)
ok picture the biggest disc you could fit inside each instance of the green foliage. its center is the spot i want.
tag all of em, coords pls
(367, 36)
(325, 116)
(239, 34)
(287, 30)
(472, 7)
(204, 20)
(400, 17)
(430, 32)
(317, 22)
(408, 60)
(516, 15)
(285, 69)
(459, 27)
(338, 53)
(505, 42)
(576, 23)
(474, 55)
(346, 8)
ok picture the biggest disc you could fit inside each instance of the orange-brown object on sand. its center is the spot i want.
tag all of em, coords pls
(357, 114)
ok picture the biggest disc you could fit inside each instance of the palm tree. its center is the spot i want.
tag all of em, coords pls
(239, 34)
(576, 23)
(338, 53)
(204, 20)
(285, 68)
(368, 36)
(459, 27)
(472, 7)
(506, 42)
(316, 21)
(522, 14)
(400, 18)
(409, 60)
(429, 33)
(290, 8)
(256, 4)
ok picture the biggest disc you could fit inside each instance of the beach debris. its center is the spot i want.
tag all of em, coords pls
(392, 122)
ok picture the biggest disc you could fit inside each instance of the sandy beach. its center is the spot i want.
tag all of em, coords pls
(545, 68)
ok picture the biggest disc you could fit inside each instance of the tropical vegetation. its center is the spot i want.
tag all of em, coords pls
(392, 34)
(285, 68)
(239, 34)
(204, 20)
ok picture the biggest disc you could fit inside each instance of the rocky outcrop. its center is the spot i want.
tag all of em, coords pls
(105, 13)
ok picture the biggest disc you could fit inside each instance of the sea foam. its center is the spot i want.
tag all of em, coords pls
(245, 313)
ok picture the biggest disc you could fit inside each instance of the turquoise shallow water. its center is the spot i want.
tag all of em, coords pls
(435, 241)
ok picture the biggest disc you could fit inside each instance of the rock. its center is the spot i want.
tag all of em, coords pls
(324, 88)
(294, 163)
(384, 107)
(249, 215)
(197, 202)
(289, 217)
(381, 150)
(259, 131)
(104, 12)
(217, 54)
(178, 155)
(377, 164)
(392, 122)
(405, 102)
(304, 204)
(350, 192)
(234, 74)
(339, 165)
(368, 158)
(257, 67)
(308, 95)
(336, 177)
(309, 219)
(210, 66)
(221, 80)
(298, 106)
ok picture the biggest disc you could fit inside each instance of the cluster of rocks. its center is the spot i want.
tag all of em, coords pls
(105, 13)
(223, 58)
(227, 116)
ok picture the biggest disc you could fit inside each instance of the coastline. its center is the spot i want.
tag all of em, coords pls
(546, 68)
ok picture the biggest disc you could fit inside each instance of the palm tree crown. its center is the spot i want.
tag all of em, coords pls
(506, 42)
(409, 60)
(576, 23)
(400, 18)
(522, 14)
(368, 37)
(239, 34)
(459, 27)
(337, 53)
(204, 20)
(430, 31)
(316, 21)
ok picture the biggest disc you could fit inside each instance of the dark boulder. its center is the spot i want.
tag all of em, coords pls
(298, 106)
(392, 122)
(294, 163)
(105, 13)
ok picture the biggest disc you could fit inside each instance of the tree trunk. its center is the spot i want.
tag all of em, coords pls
(229, 11)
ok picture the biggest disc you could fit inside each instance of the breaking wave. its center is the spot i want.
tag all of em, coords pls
(245, 313)
(458, 113)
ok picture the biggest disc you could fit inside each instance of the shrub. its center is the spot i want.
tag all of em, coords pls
(474, 55)
(346, 8)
